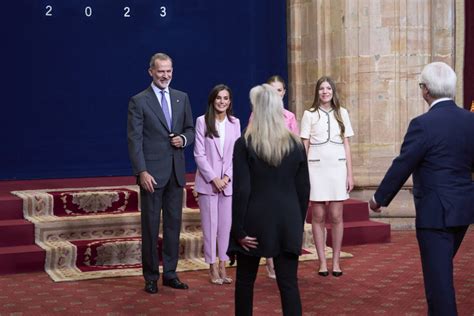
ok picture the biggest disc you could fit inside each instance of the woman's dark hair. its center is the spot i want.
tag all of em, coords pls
(210, 116)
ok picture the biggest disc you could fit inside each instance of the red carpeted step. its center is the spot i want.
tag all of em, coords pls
(362, 232)
(11, 207)
(354, 210)
(190, 177)
(16, 232)
(21, 259)
(125, 252)
(191, 201)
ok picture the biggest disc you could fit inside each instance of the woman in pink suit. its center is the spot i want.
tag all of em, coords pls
(216, 133)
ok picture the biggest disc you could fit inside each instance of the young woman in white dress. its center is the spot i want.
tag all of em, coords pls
(325, 130)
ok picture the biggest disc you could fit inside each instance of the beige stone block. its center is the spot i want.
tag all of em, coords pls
(417, 15)
(364, 42)
(295, 20)
(365, 64)
(443, 42)
(443, 14)
(380, 41)
(415, 64)
(295, 49)
(385, 65)
(417, 41)
(310, 49)
(389, 13)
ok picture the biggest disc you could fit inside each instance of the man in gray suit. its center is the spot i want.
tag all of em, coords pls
(160, 125)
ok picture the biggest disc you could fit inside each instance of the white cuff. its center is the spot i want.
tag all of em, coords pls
(185, 140)
(373, 200)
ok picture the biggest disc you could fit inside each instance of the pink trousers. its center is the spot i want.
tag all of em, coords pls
(216, 220)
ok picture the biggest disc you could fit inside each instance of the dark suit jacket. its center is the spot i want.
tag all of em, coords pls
(148, 135)
(268, 202)
(439, 150)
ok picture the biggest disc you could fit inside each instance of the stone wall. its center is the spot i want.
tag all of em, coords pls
(375, 51)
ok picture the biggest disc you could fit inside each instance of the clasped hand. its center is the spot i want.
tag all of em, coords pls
(220, 184)
(176, 141)
(248, 242)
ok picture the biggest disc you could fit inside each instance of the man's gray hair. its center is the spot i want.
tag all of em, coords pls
(440, 80)
(160, 56)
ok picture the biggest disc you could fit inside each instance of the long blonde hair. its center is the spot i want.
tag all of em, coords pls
(267, 133)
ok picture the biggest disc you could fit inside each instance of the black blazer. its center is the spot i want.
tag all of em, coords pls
(269, 203)
(439, 150)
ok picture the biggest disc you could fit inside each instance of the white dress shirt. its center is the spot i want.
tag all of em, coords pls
(157, 92)
(221, 130)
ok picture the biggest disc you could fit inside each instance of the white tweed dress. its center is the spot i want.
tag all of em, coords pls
(326, 154)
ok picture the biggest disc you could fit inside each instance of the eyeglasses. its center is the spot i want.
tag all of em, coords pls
(422, 85)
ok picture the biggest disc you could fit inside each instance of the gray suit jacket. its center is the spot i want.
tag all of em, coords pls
(149, 145)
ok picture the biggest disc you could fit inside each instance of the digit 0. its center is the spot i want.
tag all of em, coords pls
(88, 11)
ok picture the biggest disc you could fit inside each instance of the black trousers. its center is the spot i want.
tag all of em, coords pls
(170, 200)
(437, 250)
(286, 268)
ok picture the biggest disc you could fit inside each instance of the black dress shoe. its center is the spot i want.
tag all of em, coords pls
(337, 273)
(323, 273)
(175, 284)
(151, 287)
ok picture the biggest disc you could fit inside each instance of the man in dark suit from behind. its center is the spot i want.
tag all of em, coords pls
(160, 125)
(438, 150)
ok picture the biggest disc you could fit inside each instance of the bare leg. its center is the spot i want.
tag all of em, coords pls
(270, 268)
(335, 208)
(222, 273)
(318, 228)
(214, 274)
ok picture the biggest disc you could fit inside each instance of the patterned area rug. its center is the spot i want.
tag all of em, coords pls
(93, 233)
(47, 205)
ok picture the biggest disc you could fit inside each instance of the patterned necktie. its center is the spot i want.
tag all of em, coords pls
(166, 110)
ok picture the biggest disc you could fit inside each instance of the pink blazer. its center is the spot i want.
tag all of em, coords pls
(290, 121)
(211, 162)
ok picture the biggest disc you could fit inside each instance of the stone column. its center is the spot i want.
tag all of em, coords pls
(375, 51)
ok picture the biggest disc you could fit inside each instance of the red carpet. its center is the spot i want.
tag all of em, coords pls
(381, 279)
(71, 203)
(105, 254)
(78, 202)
